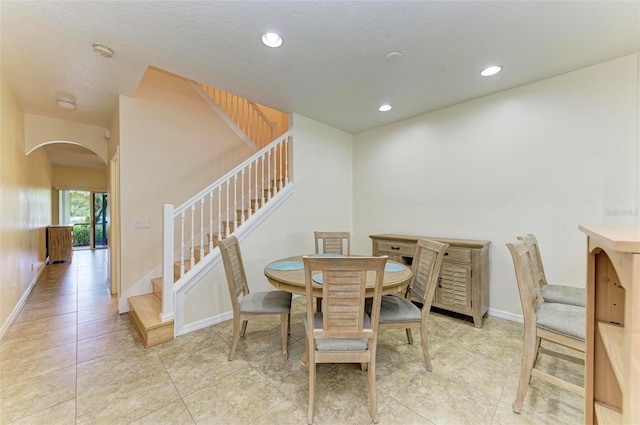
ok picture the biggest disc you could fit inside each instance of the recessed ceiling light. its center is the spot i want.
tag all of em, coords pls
(384, 108)
(491, 70)
(102, 50)
(66, 103)
(272, 39)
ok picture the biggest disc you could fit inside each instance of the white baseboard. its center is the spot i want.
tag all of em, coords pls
(505, 315)
(18, 308)
(209, 321)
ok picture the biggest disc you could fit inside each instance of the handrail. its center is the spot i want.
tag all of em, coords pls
(246, 114)
(242, 165)
(218, 211)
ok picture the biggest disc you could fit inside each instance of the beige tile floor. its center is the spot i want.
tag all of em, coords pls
(69, 358)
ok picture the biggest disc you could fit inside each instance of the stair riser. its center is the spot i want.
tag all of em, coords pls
(157, 287)
(151, 337)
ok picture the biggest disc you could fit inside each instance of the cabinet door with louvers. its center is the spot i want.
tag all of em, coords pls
(454, 288)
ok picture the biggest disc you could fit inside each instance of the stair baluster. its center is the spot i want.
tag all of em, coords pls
(255, 178)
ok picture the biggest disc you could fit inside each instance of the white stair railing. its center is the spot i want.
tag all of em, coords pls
(246, 114)
(218, 211)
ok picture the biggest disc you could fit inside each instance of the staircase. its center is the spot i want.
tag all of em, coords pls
(145, 311)
(233, 204)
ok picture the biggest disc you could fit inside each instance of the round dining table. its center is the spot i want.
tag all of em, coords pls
(287, 274)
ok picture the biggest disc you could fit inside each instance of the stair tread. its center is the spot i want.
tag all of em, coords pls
(148, 308)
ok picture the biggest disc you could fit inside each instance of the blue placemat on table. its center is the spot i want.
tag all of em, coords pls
(328, 255)
(317, 278)
(286, 265)
(391, 267)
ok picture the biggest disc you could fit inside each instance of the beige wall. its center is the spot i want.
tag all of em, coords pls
(75, 178)
(39, 130)
(25, 209)
(113, 168)
(78, 178)
(541, 158)
(172, 145)
(280, 119)
(638, 144)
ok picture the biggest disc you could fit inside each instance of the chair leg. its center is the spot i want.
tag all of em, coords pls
(425, 346)
(236, 337)
(528, 359)
(409, 336)
(284, 328)
(244, 327)
(538, 342)
(373, 402)
(312, 391)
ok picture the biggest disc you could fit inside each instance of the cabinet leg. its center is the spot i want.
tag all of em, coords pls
(477, 320)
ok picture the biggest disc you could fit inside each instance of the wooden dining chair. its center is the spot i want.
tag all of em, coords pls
(333, 242)
(553, 293)
(403, 313)
(266, 306)
(562, 324)
(343, 332)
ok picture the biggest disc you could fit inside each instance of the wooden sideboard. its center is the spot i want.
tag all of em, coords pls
(612, 375)
(464, 278)
(59, 243)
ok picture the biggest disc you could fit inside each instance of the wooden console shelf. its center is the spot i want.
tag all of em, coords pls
(59, 243)
(612, 374)
(464, 277)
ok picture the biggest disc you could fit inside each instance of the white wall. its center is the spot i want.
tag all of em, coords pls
(542, 158)
(322, 161)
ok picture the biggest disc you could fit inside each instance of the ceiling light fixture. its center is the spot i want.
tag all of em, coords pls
(66, 103)
(394, 57)
(384, 108)
(102, 50)
(491, 70)
(271, 39)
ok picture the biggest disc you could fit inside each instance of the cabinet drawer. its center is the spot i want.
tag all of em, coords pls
(396, 248)
(461, 255)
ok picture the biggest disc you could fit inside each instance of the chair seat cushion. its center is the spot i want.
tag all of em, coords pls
(564, 294)
(566, 319)
(339, 344)
(276, 302)
(397, 309)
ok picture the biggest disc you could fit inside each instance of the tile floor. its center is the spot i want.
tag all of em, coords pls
(71, 359)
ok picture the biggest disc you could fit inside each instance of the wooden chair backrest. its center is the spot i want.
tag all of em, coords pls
(333, 242)
(233, 268)
(427, 261)
(536, 259)
(530, 295)
(344, 281)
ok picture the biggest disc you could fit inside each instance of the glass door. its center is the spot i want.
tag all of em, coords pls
(100, 220)
(79, 216)
(88, 213)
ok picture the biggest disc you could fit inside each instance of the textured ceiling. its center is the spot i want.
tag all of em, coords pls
(332, 66)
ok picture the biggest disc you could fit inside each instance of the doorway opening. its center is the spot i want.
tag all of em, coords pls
(88, 213)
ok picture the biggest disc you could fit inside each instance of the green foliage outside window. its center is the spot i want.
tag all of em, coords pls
(79, 210)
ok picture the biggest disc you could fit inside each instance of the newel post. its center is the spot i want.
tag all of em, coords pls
(167, 264)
